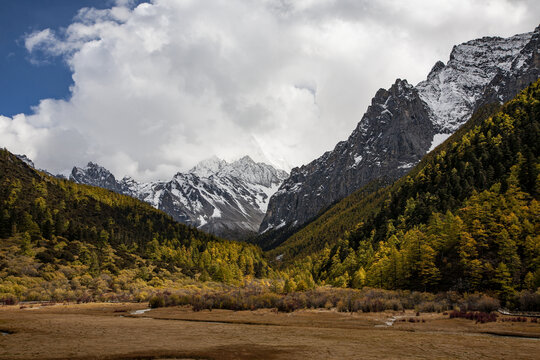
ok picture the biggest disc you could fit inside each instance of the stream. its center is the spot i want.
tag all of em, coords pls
(139, 312)
(390, 321)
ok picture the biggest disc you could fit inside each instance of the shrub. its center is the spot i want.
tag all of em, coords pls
(529, 301)
(9, 299)
(516, 319)
(479, 302)
(85, 297)
(479, 317)
(157, 301)
(433, 306)
(393, 304)
(342, 306)
(254, 297)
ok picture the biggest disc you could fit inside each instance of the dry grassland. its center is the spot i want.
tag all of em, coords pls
(110, 331)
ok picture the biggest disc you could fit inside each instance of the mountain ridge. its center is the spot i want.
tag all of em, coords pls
(227, 199)
(465, 219)
(404, 122)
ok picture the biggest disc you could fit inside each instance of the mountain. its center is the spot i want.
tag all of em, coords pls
(404, 122)
(227, 199)
(60, 239)
(26, 160)
(464, 219)
(96, 175)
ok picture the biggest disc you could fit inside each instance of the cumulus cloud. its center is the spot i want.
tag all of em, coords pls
(162, 85)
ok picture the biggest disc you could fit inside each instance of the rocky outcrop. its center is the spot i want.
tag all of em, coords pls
(96, 175)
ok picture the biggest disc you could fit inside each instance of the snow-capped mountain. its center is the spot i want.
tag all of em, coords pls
(405, 121)
(96, 175)
(227, 199)
(453, 91)
(25, 160)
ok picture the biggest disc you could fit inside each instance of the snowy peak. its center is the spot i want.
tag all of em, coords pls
(452, 92)
(25, 159)
(436, 69)
(244, 168)
(208, 167)
(228, 199)
(254, 173)
(95, 175)
(391, 137)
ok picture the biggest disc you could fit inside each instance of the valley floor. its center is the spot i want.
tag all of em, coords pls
(115, 331)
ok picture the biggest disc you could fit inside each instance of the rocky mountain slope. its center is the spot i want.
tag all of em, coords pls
(405, 121)
(227, 199)
(464, 219)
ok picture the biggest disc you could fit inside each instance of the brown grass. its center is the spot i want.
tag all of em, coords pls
(109, 331)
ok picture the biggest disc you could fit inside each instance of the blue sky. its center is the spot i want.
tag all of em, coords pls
(23, 84)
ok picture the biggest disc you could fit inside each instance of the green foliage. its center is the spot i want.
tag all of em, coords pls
(466, 218)
(50, 224)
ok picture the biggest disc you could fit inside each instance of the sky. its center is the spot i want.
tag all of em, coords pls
(24, 81)
(148, 89)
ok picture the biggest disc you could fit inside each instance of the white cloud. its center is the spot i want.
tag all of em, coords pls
(164, 85)
(17, 135)
(38, 38)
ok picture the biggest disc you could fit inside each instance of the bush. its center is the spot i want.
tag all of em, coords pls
(432, 306)
(479, 302)
(254, 297)
(529, 301)
(393, 304)
(9, 299)
(342, 306)
(157, 301)
(479, 317)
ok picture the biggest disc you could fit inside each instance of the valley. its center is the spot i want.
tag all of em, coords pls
(110, 331)
(417, 237)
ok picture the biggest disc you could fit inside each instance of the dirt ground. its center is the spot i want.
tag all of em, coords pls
(111, 331)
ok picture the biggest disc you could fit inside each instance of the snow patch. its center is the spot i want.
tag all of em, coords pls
(216, 213)
(406, 166)
(282, 224)
(202, 221)
(438, 139)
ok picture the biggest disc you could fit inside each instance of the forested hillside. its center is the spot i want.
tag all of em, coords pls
(87, 240)
(466, 218)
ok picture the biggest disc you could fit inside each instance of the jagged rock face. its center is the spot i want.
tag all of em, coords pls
(453, 91)
(524, 70)
(405, 122)
(392, 136)
(96, 175)
(227, 199)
